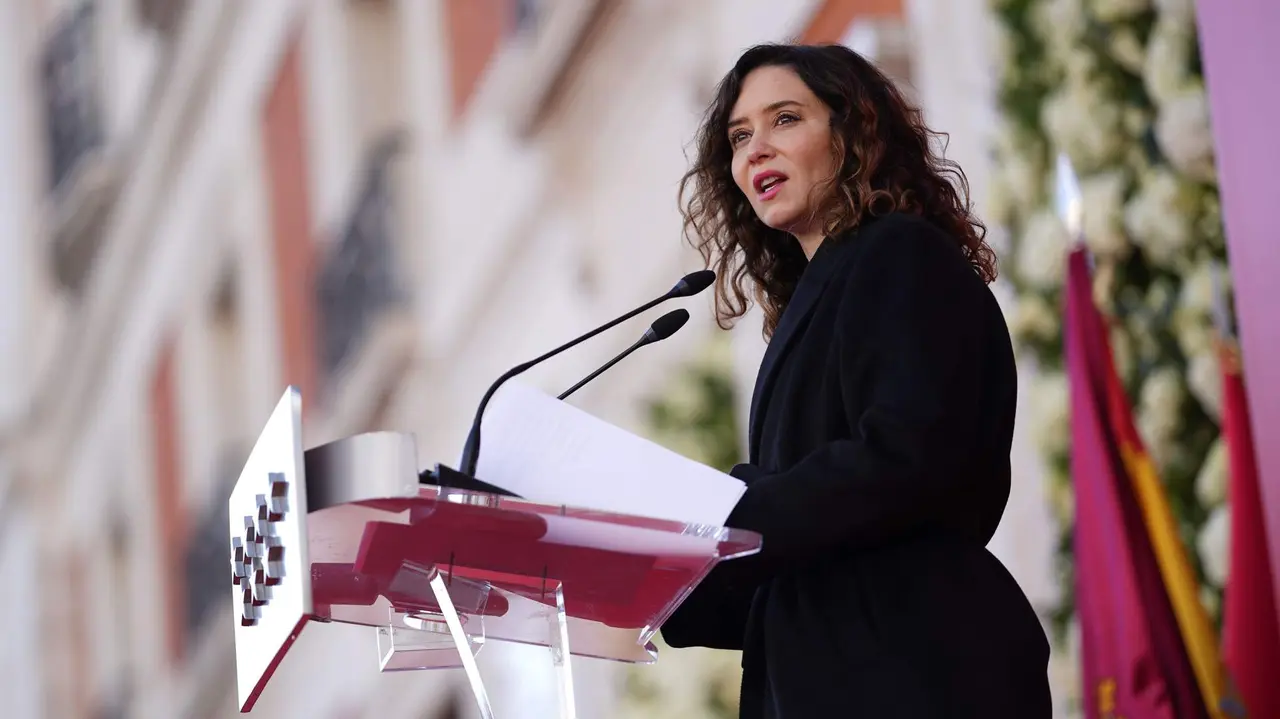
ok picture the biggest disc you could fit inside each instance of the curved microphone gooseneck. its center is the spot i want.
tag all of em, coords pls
(690, 284)
(662, 328)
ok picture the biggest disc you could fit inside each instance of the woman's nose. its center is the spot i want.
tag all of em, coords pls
(758, 148)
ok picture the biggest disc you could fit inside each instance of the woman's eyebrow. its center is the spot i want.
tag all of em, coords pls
(768, 108)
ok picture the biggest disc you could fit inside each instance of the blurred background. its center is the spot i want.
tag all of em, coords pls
(387, 203)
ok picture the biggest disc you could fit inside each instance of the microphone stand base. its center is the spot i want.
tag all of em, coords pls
(444, 476)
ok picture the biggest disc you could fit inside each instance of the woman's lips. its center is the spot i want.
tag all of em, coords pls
(767, 183)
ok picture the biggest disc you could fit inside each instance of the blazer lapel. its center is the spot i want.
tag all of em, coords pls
(812, 282)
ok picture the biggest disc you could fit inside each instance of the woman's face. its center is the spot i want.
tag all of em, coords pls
(780, 133)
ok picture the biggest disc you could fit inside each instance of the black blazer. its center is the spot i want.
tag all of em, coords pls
(879, 469)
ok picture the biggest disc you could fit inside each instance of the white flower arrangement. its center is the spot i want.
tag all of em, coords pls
(1181, 12)
(1081, 120)
(1169, 52)
(1065, 671)
(1127, 50)
(1060, 24)
(1211, 483)
(1193, 332)
(1103, 198)
(1019, 181)
(1212, 544)
(1048, 402)
(1185, 136)
(1104, 286)
(1204, 380)
(1000, 205)
(1144, 344)
(1192, 320)
(1159, 412)
(1155, 217)
(1115, 10)
(1197, 289)
(1062, 500)
(1041, 259)
(1122, 351)
(1033, 318)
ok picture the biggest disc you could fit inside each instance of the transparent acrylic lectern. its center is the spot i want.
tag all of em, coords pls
(346, 532)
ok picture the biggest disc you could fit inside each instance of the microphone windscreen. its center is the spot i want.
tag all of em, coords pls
(668, 324)
(693, 283)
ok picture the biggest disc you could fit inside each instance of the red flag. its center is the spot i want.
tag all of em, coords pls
(1251, 633)
(1136, 663)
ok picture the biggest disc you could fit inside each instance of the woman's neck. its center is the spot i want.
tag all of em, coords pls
(809, 243)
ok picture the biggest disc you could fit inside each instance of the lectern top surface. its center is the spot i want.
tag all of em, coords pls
(618, 570)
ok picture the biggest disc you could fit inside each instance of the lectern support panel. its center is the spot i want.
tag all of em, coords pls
(454, 636)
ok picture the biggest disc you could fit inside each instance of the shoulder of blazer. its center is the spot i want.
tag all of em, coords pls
(907, 248)
(898, 242)
(906, 233)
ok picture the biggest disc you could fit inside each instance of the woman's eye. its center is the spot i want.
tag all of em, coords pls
(787, 117)
(738, 137)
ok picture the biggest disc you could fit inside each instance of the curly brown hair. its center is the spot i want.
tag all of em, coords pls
(888, 166)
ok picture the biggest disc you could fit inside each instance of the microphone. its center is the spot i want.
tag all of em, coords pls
(662, 328)
(689, 285)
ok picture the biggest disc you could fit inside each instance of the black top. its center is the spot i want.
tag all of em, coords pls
(879, 469)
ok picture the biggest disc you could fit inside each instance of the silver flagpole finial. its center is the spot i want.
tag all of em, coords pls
(1067, 198)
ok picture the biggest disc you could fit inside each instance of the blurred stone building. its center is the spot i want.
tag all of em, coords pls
(383, 202)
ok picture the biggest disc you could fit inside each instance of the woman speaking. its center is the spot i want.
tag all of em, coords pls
(883, 411)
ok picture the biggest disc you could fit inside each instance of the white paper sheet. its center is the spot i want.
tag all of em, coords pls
(546, 450)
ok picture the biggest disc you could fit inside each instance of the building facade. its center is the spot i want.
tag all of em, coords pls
(385, 203)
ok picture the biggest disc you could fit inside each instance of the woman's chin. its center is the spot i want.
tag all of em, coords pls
(780, 218)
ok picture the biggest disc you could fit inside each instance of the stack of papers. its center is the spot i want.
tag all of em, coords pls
(551, 452)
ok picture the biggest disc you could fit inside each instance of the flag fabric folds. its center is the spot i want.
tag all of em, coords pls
(1149, 649)
(1251, 630)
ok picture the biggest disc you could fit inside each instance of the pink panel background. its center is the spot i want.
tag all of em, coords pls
(1241, 55)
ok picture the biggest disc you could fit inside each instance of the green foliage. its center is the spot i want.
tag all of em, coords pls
(703, 414)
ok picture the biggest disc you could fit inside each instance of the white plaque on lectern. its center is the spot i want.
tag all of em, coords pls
(267, 548)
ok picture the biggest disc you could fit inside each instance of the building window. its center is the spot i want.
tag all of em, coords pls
(206, 562)
(69, 82)
(163, 15)
(526, 15)
(358, 279)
